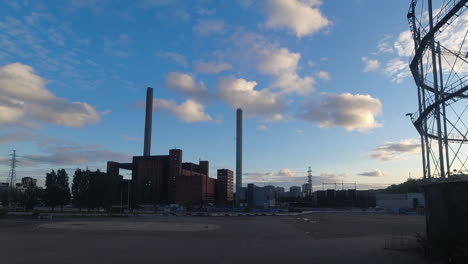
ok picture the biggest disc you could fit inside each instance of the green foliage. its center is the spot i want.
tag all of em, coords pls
(80, 188)
(95, 189)
(57, 190)
(29, 198)
(409, 186)
(4, 198)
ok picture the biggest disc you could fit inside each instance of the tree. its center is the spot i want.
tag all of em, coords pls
(4, 198)
(57, 190)
(409, 186)
(62, 181)
(80, 188)
(30, 197)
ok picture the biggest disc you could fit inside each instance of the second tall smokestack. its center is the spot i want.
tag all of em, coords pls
(238, 155)
(148, 121)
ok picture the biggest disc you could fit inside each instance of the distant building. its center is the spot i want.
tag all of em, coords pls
(28, 181)
(295, 191)
(4, 186)
(224, 187)
(279, 191)
(397, 202)
(260, 197)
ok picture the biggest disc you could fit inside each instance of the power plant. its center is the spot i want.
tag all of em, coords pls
(165, 179)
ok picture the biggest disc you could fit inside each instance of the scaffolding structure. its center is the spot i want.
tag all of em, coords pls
(439, 65)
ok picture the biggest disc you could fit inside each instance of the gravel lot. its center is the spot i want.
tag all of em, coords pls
(312, 238)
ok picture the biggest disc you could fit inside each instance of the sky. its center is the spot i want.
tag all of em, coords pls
(324, 84)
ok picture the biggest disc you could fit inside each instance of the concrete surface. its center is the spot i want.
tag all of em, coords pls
(313, 238)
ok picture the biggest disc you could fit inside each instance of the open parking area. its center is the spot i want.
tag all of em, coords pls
(311, 238)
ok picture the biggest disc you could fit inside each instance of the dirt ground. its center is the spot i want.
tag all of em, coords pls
(313, 238)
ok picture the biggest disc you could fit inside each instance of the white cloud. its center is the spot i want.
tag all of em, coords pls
(374, 173)
(397, 69)
(279, 63)
(396, 150)
(186, 84)
(174, 56)
(324, 75)
(259, 127)
(240, 93)
(303, 17)
(384, 46)
(286, 173)
(279, 60)
(451, 37)
(371, 65)
(352, 112)
(405, 44)
(283, 64)
(207, 27)
(24, 97)
(189, 111)
(211, 68)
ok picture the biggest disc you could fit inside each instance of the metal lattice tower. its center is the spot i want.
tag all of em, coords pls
(309, 182)
(439, 66)
(12, 174)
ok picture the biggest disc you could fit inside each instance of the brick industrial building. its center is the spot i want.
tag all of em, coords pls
(165, 179)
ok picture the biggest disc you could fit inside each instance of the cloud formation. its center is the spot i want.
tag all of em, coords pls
(189, 111)
(324, 75)
(240, 93)
(396, 150)
(350, 111)
(186, 84)
(452, 38)
(212, 67)
(374, 173)
(283, 64)
(24, 97)
(371, 65)
(286, 173)
(303, 17)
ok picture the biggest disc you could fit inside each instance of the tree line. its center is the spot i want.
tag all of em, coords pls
(89, 190)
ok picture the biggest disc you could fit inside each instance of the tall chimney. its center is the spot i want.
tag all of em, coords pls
(238, 155)
(148, 121)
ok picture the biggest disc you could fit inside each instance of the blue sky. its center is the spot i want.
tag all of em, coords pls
(322, 84)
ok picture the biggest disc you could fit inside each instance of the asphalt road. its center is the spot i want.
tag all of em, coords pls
(315, 238)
